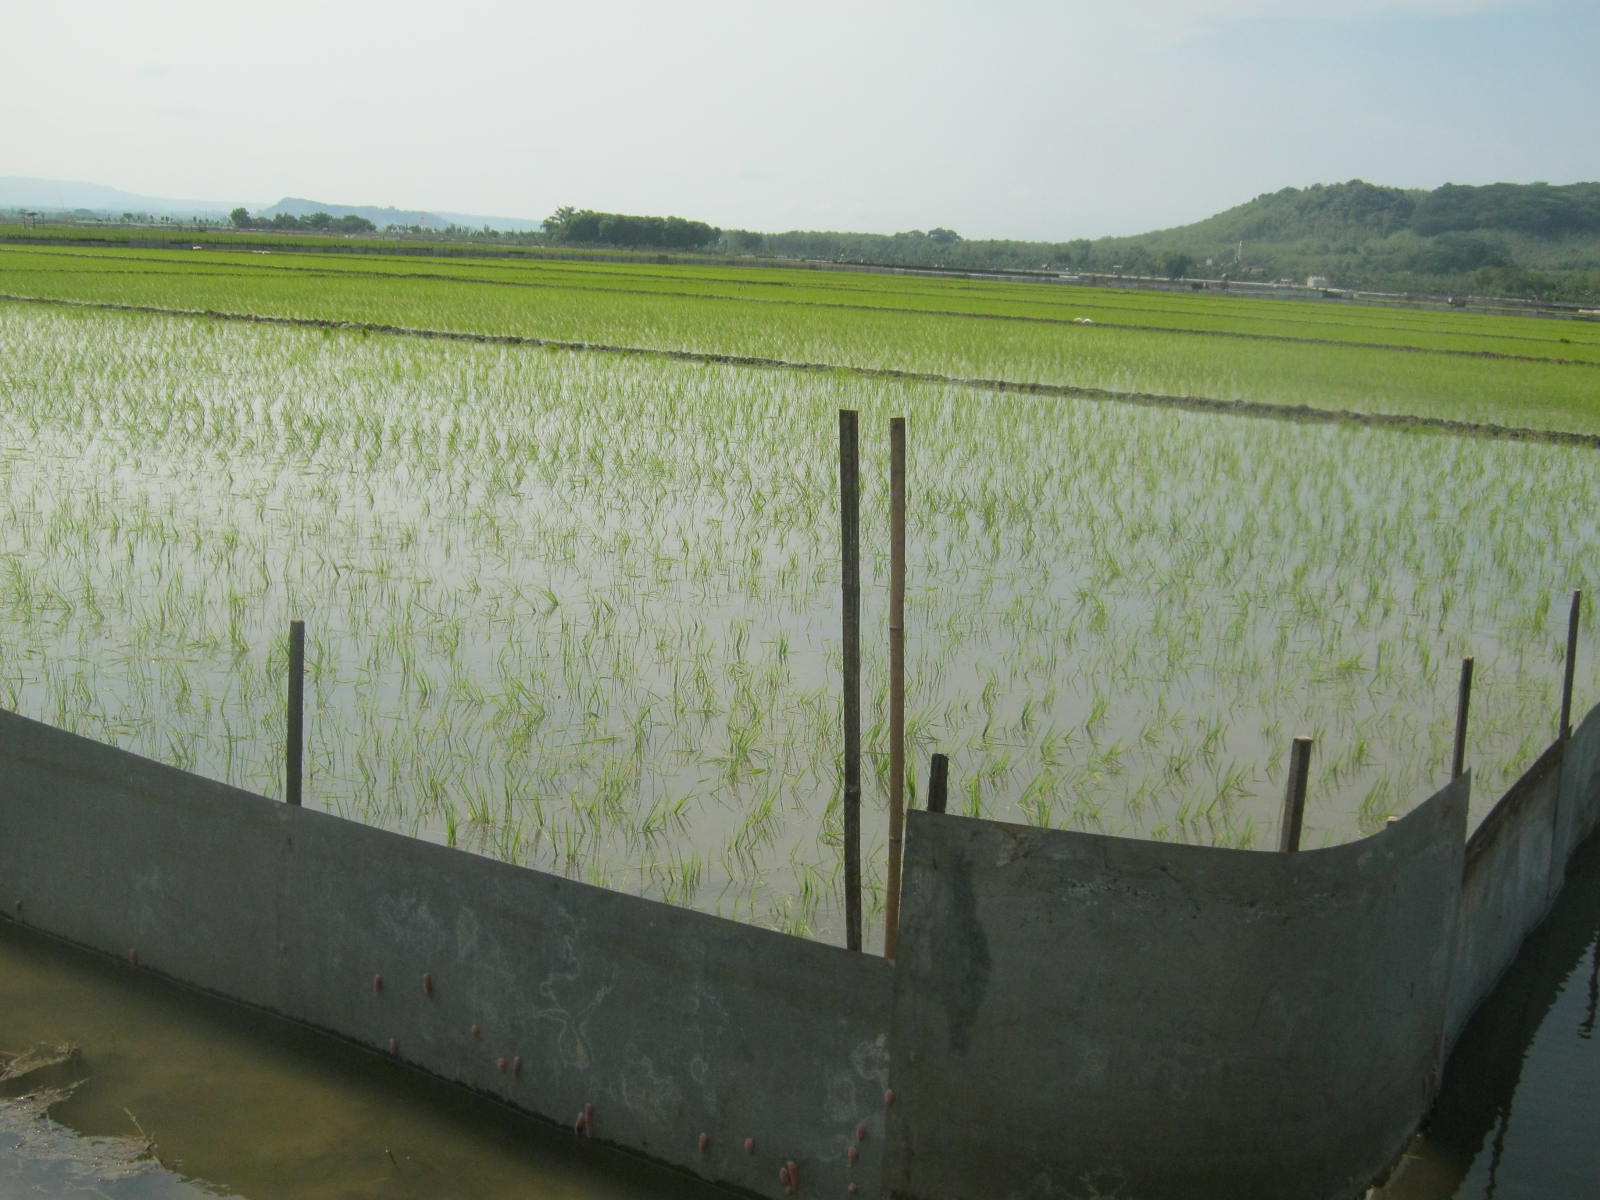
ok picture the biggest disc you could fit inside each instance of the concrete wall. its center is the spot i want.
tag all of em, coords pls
(1579, 808)
(669, 1022)
(1509, 880)
(1170, 1021)
(1516, 864)
(1069, 1012)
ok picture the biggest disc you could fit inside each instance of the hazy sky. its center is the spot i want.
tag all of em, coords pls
(1005, 118)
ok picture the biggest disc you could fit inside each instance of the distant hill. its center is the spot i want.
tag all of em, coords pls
(1535, 240)
(1503, 239)
(384, 217)
(72, 198)
(67, 196)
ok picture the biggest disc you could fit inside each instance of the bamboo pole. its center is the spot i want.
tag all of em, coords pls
(1564, 731)
(1294, 795)
(1458, 760)
(294, 754)
(938, 783)
(897, 678)
(850, 551)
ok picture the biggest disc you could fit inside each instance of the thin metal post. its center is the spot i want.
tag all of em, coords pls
(1294, 795)
(1565, 728)
(1458, 760)
(938, 782)
(897, 679)
(294, 757)
(850, 551)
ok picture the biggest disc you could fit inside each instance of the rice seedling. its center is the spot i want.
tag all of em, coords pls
(580, 611)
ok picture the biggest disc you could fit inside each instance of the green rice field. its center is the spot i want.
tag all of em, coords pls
(571, 573)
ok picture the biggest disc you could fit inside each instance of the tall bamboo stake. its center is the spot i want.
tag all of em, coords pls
(294, 755)
(1458, 760)
(938, 782)
(897, 678)
(1564, 731)
(1294, 795)
(850, 550)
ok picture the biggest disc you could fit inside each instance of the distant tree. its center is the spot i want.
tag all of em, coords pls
(1176, 265)
(580, 227)
(241, 218)
(680, 234)
(351, 223)
(944, 237)
(585, 227)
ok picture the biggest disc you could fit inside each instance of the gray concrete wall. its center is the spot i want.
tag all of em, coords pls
(1069, 1011)
(1509, 879)
(1075, 1011)
(1579, 808)
(1516, 863)
(671, 1023)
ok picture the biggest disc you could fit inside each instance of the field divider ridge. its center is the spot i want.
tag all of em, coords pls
(1243, 408)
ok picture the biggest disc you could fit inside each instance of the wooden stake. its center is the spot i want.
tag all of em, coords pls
(1565, 729)
(1294, 795)
(294, 753)
(850, 551)
(897, 678)
(1458, 761)
(938, 783)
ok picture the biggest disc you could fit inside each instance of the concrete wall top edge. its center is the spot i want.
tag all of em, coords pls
(70, 755)
(1445, 807)
(1590, 725)
(1503, 815)
(23, 739)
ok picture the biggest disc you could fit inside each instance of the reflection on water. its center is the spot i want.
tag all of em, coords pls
(169, 1095)
(1515, 1117)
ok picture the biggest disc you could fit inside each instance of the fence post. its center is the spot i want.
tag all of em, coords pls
(850, 573)
(1458, 760)
(1294, 795)
(897, 679)
(938, 782)
(294, 755)
(1565, 729)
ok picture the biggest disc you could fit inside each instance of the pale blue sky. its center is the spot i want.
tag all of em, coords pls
(1011, 118)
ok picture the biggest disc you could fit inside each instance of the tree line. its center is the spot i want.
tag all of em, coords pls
(569, 226)
(317, 222)
(1527, 240)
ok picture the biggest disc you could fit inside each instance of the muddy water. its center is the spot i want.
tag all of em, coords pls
(1515, 1119)
(185, 1096)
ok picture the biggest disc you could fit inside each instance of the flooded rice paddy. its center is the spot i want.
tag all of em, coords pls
(581, 612)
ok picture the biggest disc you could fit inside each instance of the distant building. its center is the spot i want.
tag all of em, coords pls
(1318, 281)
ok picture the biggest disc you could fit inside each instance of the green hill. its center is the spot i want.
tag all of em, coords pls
(1524, 240)
(1504, 239)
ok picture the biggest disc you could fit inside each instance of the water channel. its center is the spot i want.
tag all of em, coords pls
(174, 1095)
(1515, 1117)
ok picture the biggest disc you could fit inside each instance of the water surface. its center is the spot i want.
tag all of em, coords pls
(174, 1095)
(1515, 1118)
